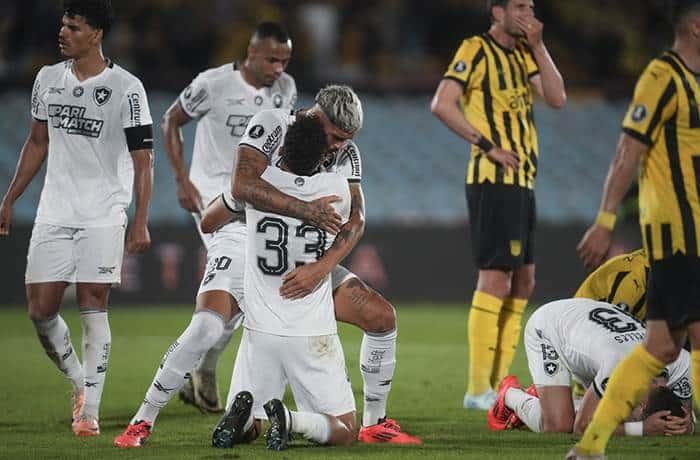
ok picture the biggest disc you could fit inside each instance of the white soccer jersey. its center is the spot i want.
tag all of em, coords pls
(266, 132)
(222, 102)
(276, 245)
(89, 176)
(591, 338)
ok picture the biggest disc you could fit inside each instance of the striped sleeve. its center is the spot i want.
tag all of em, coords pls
(653, 103)
(465, 60)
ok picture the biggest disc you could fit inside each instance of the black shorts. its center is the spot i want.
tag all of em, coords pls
(673, 290)
(502, 222)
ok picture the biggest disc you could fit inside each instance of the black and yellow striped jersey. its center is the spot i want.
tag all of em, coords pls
(497, 101)
(622, 281)
(664, 115)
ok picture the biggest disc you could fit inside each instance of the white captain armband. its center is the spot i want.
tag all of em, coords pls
(634, 428)
(139, 137)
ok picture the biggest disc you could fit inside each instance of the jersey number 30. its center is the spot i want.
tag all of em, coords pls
(278, 232)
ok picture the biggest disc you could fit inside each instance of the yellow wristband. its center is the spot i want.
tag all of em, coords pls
(606, 220)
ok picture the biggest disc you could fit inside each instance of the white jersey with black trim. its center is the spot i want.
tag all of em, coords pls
(276, 245)
(89, 175)
(266, 133)
(223, 103)
(592, 337)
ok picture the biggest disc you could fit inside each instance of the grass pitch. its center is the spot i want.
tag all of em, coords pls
(426, 397)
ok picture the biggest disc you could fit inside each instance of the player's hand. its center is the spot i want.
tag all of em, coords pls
(676, 426)
(594, 245)
(532, 30)
(505, 158)
(321, 213)
(138, 239)
(302, 281)
(5, 218)
(655, 424)
(188, 195)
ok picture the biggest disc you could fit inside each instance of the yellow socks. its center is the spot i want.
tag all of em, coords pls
(482, 333)
(509, 326)
(627, 385)
(695, 372)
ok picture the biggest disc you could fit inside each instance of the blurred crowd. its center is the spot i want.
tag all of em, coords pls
(376, 45)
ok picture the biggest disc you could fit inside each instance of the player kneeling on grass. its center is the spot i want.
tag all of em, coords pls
(584, 340)
(289, 341)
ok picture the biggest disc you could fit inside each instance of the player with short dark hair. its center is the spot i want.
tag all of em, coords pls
(92, 121)
(487, 98)
(660, 139)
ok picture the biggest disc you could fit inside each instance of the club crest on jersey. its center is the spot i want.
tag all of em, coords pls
(460, 66)
(256, 132)
(101, 95)
(639, 113)
(78, 91)
(258, 100)
(299, 181)
(277, 101)
(551, 368)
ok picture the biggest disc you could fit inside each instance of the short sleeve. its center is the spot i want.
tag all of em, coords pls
(465, 60)
(195, 100)
(265, 132)
(679, 376)
(38, 105)
(600, 381)
(531, 66)
(135, 109)
(349, 163)
(653, 103)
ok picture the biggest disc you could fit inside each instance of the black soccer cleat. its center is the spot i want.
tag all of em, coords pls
(277, 437)
(231, 427)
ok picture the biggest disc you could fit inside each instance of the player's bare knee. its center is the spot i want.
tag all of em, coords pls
(664, 351)
(381, 314)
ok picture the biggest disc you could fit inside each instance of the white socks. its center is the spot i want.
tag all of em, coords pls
(97, 341)
(211, 356)
(526, 407)
(55, 338)
(182, 356)
(377, 362)
(315, 427)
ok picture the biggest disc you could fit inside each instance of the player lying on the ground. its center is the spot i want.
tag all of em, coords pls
(584, 340)
(290, 341)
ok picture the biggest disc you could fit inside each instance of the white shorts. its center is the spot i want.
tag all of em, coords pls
(543, 359)
(75, 255)
(225, 262)
(339, 275)
(314, 368)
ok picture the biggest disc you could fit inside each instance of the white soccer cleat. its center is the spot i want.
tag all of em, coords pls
(484, 401)
(573, 455)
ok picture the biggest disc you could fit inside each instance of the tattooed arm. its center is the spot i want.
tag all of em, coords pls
(304, 279)
(248, 186)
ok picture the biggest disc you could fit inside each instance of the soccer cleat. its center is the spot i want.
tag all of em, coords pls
(135, 435)
(387, 431)
(78, 400)
(85, 426)
(574, 455)
(280, 425)
(499, 414)
(514, 421)
(206, 392)
(231, 428)
(186, 393)
(482, 402)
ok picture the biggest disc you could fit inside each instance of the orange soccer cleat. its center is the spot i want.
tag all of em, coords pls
(387, 431)
(497, 418)
(135, 435)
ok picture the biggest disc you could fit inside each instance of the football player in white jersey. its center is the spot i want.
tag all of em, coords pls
(287, 341)
(584, 340)
(340, 112)
(222, 100)
(92, 121)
